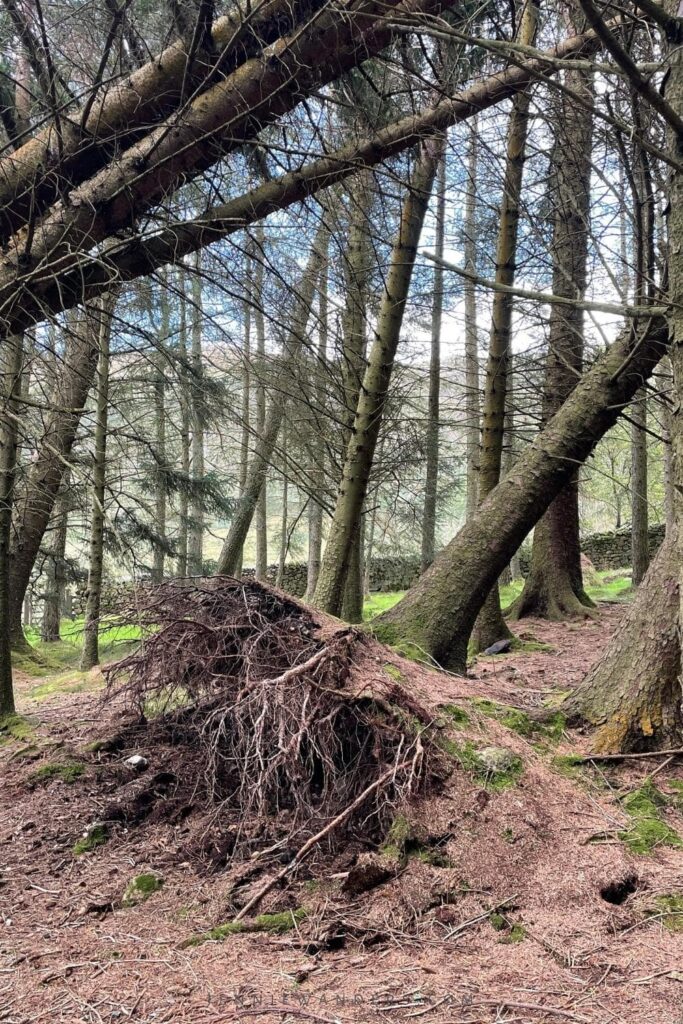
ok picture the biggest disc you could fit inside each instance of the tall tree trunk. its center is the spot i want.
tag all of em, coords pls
(491, 625)
(11, 365)
(284, 519)
(357, 269)
(34, 505)
(185, 420)
(640, 541)
(361, 447)
(160, 457)
(317, 447)
(54, 572)
(633, 694)
(432, 432)
(245, 439)
(195, 537)
(90, 655)
(439, 612)
(259, 315)
(267, 438)
(471, 335)
(554, 587)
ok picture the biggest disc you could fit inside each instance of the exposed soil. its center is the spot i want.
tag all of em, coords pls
(515, 905)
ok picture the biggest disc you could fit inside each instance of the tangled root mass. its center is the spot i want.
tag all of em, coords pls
(286, 718)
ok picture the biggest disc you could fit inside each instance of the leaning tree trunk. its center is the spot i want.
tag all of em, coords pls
(633, 695)
(35, 503)
(346, 521)
(90, 655)
(11, 357)
(554, 587)
(491, 626)
(438, 613)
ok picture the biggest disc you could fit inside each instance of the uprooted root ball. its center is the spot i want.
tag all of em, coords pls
(274, 707)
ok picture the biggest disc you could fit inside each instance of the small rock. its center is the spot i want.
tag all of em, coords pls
(137, 762)
(500, 647)
(497, 760)
(369, 871)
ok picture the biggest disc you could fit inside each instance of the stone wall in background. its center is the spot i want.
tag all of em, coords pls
(613, 550)
(386, 575)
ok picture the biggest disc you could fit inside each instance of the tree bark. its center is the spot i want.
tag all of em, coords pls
(195, 533)
(33, 507)
(433, 400)
(640, 541)
(317, 456)
(633, 695)
(245, 414)
(267, 439)
(160, 456)
(471, 333)
(439, 612)
(54, 572)
(90, 655)
(11, 366)
(262, 500)
(361, 447)
(554, 587)
(491, 626)
(185, 420)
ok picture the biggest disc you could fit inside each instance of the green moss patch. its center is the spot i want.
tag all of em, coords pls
(647, 830)
(495, 773)
(65, 771)
(141, 888)
(16, 727)
(275, 924)
(671, 907)
(393, 671)
(95, 836)
(457, 715)
(520, 722)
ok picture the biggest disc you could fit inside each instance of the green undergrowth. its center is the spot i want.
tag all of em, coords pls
(648, 829)
(65, 771)
(96, 835)
(509, 931)
(46, 659)
(65, 682)
(274, 924)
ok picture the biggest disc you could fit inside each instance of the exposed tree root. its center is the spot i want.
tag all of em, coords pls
(274, 708)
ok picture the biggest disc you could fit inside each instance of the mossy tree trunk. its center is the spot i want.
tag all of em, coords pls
(438, 613)
(358, 461)
(490, 625)
(554, 587)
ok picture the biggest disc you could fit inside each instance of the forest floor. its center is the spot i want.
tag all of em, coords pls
(557, 898)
